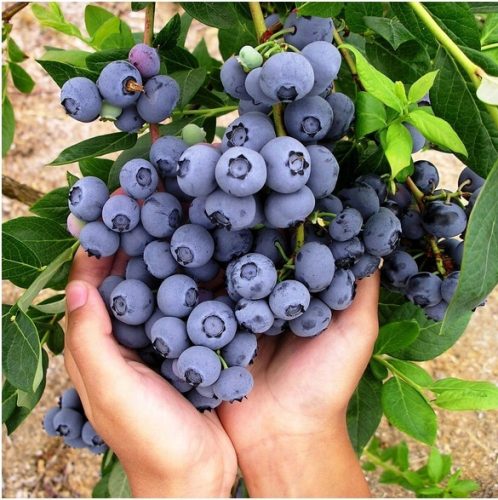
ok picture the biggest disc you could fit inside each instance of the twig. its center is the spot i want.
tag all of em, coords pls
(11, 11)
(19, 191)
(349, 60)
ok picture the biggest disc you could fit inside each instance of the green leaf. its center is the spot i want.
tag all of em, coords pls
(430, 492)
(489, 33)
(407, 410)
(5, 74)
(435, 465)
(394, 336)
(53, 205)
(390, 29)
(186, 20)
(44, 237)
(118, 482)
(21, 350)
(98, 167)
(319, 9)
(232, 40)
(62, 72)
(113, 34)
(51, 16)
(95, 17)
(408, 63)
(9, 400)
(99, 60)
(457, 21)
(219, 15)
(463, 488)
(364, 411)
(413, 23)
(375, 82)
(397, 143)
(101, 489)
(21, 78)
(71, 179)
(167, 38)
(29, 399)
(378, 369)
(453, 99)
(190, 82)
(178, 59)
(457, 394)
(202, 55)
(479, 272)
(436, 130)
(482, 7)
(96, 146)
(20, 264)
(421, 87)
(412, 372)
(72, 57)
(355, 13)
(15, 53)
(370, 114)
(8, 125)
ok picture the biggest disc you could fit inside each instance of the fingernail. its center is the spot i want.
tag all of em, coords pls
(76, 296)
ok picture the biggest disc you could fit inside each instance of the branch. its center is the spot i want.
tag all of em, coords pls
(148, 37)
(11, 11)
(349, 60)
(18, 191)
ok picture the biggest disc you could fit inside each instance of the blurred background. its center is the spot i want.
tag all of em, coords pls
(36, 465)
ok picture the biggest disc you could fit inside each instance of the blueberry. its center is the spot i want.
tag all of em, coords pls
(425, 176)
(165, 153)
(398, 268)
(346, 225)
(476, 181)
(197, 213)
(254, 315)
(160, 97)
(232, 212)
(308, 119)
(205, 273)
(325, 60)
(121, 213)
(107, 286)
(253, 276)
(314, 266)
(340, 293)
(192, 245)
(343, 109)
(211, 324)
(169, 337)
(324, 171)
(381, 233)
(138, 178)
(199, 366)
(286, 77)
(68, 423)
(308, 29)
(98, 240)
(241, 350)
(424, 289)
(117, 82)
(253, 88)
(365, 266)
(289, 299)
(161, 215)
(288, 210)
(177, 296)
(444, 220)
(137, 270)
(81, 99)
(145, 59)
(418, 139)
(196, 167)
(131, 336)
(132, 302)
(265, 244)
(240, 171)
(288, 164)
(252, 130)
(134, 242)
(158, 259)
(129, 120)
(234, 384)
(231, 244)
(48, 421)
(314, 321)
(87, 197)
(233, 79)
(249, 107)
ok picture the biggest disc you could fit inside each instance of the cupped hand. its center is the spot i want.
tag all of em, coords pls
(296, 413)
(166, 446)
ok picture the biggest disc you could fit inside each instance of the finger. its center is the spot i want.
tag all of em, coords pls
(119, 264)
(365, 305)
(90, 269)
(89, 338)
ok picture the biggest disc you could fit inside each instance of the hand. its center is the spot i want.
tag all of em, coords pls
(290, 434)
(167, 448)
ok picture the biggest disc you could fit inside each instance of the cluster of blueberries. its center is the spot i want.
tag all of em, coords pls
(68, 420)
(302, 79)
(443, 216)
(129, 93)
(258, 211)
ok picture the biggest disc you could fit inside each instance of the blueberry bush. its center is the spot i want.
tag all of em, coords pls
(312, 188)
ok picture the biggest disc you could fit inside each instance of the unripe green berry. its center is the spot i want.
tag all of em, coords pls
(250, 58)
(109, 112)
(193, 134)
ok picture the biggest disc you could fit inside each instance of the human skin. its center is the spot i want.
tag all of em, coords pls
(289, 437)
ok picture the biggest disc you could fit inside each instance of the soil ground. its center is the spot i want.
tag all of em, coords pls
(35, 465)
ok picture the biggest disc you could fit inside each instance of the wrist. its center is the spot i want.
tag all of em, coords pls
(318, 463)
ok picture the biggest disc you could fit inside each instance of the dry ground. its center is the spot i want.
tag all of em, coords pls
(35, 465)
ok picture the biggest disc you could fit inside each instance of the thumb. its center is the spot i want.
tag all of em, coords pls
(89, 336)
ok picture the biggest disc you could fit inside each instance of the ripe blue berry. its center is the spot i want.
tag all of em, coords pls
(98, 240)
(138, 178)
(132, 302)
(160, 96)
(87, 197)
(114, 83)
(81, 99)
(145, 59)
(121, 213)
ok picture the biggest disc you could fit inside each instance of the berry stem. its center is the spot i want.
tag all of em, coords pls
(349, 60)
(474, 72)
(281, 251)
(282, 32)
(148, 38)
(260, 27)
(222, 361)
(222, 110)
(418, 195)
